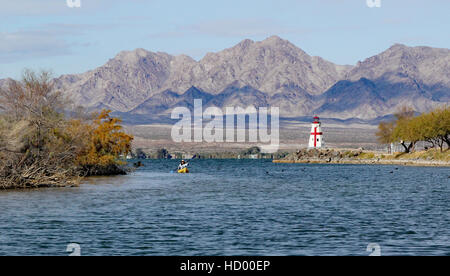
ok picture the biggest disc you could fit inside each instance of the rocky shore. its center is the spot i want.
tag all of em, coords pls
(337, 156)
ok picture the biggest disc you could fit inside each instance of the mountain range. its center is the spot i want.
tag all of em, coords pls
(273, 72)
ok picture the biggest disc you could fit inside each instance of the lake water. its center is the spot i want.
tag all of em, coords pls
(236, 207)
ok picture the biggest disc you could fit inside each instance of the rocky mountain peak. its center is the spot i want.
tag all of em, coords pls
(269, 72)
(398, 47)
(127, 56)
(244, 44)
(421, 64)
(276, 41)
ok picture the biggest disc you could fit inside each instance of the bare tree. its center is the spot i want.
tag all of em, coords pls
(35, 149)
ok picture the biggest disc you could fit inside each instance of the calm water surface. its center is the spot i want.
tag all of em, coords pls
(236, 207)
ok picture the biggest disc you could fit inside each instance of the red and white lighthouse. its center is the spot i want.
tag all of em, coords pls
(316, 138)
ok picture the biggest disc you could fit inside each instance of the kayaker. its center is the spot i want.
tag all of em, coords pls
(183, 165)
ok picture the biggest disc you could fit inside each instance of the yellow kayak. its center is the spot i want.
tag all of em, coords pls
(185, 170)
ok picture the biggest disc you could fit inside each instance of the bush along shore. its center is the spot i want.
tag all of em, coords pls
(44, 142)
(432, 157)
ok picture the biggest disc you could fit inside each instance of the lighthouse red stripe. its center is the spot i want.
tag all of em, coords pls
(315, 133)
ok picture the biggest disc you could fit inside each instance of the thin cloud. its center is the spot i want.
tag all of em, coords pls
(18, 46)
(43, 41)
(52, 7)
(32, 7)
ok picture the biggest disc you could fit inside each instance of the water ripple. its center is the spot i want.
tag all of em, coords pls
(228, 207)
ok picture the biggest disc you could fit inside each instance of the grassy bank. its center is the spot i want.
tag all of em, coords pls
(430, 155)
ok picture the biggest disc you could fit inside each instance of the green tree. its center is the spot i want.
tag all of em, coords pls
(407, 129)
(406, 133)
(401, 131)
(440, 119)
(385, 131)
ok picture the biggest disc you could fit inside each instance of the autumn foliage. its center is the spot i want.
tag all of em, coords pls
(106, 143)
(43, 143)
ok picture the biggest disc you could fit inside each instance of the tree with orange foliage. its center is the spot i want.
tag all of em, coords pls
(41, 146)
(107, 142)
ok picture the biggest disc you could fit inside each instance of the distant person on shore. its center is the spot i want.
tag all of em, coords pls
(183, 165)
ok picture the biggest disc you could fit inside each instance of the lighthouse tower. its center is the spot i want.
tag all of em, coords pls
(316, 138)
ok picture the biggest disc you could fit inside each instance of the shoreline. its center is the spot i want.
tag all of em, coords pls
(431, 158)
(414, 163)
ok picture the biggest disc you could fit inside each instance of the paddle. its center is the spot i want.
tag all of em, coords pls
(185, 166)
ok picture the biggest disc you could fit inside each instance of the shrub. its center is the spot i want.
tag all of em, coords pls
(106, 143)
(40, 146)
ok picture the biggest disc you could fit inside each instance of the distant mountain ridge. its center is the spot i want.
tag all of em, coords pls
(415, 76)
(273, 72)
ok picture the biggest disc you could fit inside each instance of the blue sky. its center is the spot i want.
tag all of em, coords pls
(47, 34)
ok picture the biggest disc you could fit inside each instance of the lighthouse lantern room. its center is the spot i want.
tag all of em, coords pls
(316, 138)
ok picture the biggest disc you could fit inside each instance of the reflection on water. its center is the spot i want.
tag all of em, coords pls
(236, 207)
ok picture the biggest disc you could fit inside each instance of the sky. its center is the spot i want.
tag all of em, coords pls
(50, 35)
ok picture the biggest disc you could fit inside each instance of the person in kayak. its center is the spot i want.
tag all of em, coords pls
(183, 165)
